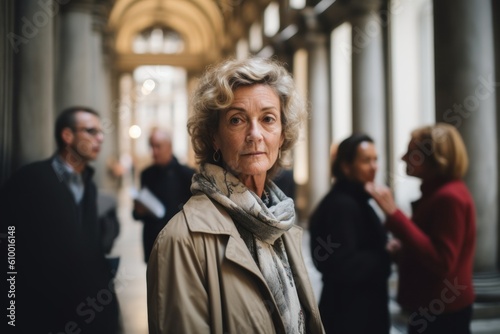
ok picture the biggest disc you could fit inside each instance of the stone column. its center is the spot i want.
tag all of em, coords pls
(368, 82)
(125, 110)
(191, 84)
(33, 45)
(465, 98)
(496, 24)
(84, 73)
(105, 98)
(318, 70)
(76, 50)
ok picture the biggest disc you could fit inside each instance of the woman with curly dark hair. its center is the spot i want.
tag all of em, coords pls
(348, 245)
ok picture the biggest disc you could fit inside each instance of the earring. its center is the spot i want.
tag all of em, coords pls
(279, 153)
(216, 156)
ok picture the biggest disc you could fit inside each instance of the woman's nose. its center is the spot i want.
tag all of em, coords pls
(254, 132)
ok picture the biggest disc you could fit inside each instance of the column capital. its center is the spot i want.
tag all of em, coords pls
(310, 19)
(100, 14)
(99, 11)
(314, 30)
(365, 6)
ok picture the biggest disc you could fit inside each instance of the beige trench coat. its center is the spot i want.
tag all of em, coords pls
(202, 278)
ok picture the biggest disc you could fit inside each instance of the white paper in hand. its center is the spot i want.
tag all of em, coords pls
(150, 201)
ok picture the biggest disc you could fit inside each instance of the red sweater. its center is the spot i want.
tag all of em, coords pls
(436, 261)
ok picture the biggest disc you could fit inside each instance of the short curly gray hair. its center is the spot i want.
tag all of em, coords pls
(215, 93)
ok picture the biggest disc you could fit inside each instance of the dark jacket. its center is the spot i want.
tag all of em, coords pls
(171, 185)
(60, 267)
(348, 248)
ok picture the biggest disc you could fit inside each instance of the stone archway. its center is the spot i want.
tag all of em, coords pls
(200, 23)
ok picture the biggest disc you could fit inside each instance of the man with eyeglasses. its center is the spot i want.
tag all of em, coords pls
(62, 280)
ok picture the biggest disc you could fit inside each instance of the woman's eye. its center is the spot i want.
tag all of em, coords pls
(235, 120)
(269, 119)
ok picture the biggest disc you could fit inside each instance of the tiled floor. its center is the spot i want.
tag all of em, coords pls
(131, 277)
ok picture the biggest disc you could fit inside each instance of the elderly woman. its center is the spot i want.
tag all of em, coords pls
(436, 248)
(230, 261)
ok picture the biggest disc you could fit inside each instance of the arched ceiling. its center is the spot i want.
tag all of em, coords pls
(199, 22)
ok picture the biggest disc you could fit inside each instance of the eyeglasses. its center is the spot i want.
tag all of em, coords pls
(91, 131)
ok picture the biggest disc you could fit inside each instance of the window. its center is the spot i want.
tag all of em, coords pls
(158, 40)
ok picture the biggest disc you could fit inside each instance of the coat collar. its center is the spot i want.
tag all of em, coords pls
(355, 189)
(206, 216)
(172, 164)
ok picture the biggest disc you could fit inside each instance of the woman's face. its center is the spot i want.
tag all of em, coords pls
(249, 135)
(364, 167)
(417, 162)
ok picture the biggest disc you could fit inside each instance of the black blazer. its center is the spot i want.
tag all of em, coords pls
(171, 185)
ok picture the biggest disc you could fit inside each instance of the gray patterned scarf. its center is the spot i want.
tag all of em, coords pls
(265, 226)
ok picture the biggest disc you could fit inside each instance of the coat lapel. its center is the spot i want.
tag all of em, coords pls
(217, 221)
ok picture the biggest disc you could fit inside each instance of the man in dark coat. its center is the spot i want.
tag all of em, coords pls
(168, 181)
(62, 280)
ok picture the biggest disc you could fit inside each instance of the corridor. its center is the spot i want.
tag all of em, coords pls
(380, 67)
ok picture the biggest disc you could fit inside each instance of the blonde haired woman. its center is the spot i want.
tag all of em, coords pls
(436, 246)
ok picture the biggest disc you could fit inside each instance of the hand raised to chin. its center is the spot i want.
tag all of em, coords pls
(383, 196)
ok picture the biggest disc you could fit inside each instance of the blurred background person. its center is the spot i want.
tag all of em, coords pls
(348, 245)
(168, 181)
(436, 252)
(232, 262)
(64, 281)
